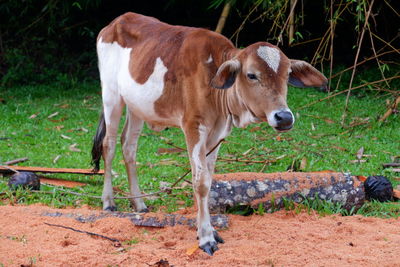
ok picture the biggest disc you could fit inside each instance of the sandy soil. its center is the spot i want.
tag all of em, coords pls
(279, 239)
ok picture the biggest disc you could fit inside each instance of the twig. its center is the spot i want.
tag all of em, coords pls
(286, 22)
(14, 161)
(344, 91)
(362, 62)
(85, 232)
(355, 61)
(388, 165)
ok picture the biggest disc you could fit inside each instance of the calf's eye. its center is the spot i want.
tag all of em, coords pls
(251, 76)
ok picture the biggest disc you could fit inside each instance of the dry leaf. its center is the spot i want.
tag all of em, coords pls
(329, 121)
(66, 137)
(360, 153)
(247, 151)
(312, 127)
(73, 148)
(192, 249)
(254, 129)
(339, 148)
(56, 159)
(278, 138)
(58, 127)
(33, 116)
(169, 150)
(303, 163)
(361, 178)
(64, 106)
(53, 115)
(358, 161)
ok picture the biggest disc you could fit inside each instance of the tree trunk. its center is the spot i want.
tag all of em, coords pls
(222, 18)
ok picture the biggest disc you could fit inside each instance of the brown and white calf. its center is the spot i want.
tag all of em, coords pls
(190, 78)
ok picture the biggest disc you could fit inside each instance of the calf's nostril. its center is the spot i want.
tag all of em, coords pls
(284, 118)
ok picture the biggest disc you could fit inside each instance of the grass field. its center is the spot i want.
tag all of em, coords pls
(46, 122)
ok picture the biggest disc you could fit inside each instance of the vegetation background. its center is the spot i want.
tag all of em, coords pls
(49, 88)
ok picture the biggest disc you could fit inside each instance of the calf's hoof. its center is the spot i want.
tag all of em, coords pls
(209, 247)
(110, 208)
(218, 238)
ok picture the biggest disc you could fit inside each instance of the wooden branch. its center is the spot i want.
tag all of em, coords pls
(14, 161)
(3, 169)
(388, 165)
(222, 18)
(291, 23)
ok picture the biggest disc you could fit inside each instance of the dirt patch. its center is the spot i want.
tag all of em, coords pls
(282, 239)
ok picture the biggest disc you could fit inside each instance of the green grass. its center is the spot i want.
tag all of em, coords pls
(317, 140)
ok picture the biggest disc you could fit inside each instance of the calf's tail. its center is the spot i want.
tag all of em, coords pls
(97, 149)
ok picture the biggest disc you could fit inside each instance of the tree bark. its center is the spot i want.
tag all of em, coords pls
(223, 17)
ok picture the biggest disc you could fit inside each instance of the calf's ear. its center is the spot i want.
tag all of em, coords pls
(226, 74)
(305, 75)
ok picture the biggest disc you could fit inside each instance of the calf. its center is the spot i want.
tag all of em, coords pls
(190, 78)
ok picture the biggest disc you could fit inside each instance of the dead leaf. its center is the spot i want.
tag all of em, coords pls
(33, 115)
(64, 106)
(361, 178)
(339, 148)
(360, 153)
(329, 121)
(303, 164)
(247, 151)
(73, 148)
(278, 138)
(56, 159)
(169, 150)
(312, 127)
(254, 129)
(192, 249)
(66, 137)
(358, 161)
(58, 127)
(53, 115)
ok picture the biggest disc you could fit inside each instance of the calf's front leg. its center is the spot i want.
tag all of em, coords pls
(196, 138)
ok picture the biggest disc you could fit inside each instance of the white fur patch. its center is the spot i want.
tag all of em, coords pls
(210, 59)
(196, 151)
(117, 81)
(270, 55)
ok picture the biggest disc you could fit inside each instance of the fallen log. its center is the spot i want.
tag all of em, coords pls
(272, 189)
(50, 170)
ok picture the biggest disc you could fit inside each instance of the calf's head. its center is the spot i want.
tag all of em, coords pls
(260, 74)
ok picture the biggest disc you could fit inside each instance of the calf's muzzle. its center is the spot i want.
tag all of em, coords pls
(284, 120)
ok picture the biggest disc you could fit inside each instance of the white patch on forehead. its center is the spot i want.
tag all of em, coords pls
(270, 55)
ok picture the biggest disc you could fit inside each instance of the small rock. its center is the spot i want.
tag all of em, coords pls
(24, 179)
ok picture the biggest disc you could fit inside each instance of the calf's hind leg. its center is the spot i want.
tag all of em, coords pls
(129, 139)
(112, 114)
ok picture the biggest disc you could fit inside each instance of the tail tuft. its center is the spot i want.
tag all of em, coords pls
(97, 149)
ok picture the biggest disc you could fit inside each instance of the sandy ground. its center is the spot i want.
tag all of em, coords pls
(279, 239)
